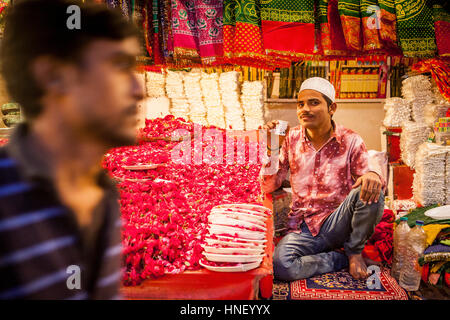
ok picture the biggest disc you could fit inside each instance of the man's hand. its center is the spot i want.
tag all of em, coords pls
(271, 126)
(370, 187)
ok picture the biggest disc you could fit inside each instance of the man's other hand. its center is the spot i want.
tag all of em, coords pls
(370, 187)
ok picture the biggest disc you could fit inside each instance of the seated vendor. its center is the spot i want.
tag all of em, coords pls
(337, 200)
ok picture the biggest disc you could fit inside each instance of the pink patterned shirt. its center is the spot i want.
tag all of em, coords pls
(320, 179)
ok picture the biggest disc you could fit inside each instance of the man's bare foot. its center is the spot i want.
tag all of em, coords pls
(357, 266)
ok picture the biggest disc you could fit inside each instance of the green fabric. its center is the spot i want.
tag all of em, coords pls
(229, 16)
(368, 8)
(349, 8)
(288, 10)
(245, 11)
(387, 5)
(415, 27)
(439, 14)
(419, 214)
(323, 11)
(446, 242)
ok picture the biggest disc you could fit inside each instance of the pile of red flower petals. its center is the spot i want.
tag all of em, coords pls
(165, 210)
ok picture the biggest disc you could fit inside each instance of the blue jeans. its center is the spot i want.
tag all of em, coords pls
(301, 255)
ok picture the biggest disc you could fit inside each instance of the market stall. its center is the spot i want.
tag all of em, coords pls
(232, 65)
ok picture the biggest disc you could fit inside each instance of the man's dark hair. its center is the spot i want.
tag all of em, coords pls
(35, 28)
(328, 100)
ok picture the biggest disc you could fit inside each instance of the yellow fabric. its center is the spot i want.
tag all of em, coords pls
(432, 230)
(437, 266)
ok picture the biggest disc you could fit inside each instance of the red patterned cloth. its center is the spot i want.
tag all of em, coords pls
(340, 286)
(440, 71)
(243, 40)
(331, 33)
(388, 25)
(370, 26)
(349, 11)
(283, 21)
(442, 29)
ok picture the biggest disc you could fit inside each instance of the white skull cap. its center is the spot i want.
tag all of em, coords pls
(321, 85)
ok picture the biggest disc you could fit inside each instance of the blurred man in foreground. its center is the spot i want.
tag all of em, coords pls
(59, 215)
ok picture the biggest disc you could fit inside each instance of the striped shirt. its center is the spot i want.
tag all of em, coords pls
(43, 252)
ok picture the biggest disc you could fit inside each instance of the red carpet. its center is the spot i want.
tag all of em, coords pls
(339, 286)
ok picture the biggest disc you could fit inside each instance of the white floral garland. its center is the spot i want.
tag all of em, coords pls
(397, 112)
(155, 84)
(229, 89)
(253, 104)
(417, 91)
(175, 91)
(429, 185)
(413, 135)
(215, 114)
(194, 95)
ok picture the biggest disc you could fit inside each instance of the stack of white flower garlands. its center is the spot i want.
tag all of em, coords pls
(438, 98)
(155, 84)
(413, 135)
(433, 112)
(417, 91)
(429, 185)
(229, 89)
(215, 114)
(175, 91)
(397, 112)
(253, 104)
(194, 95)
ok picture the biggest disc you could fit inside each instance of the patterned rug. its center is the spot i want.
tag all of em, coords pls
(341, 286)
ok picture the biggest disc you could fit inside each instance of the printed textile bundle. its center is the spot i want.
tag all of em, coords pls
(155, 84)
(413, 135)
(253, 104)
(397, 112)
(229, 89)
(175, 91)
(194, 96)
(209, 84)
(429, 185)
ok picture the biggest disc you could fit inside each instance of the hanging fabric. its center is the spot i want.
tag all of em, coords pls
(166, 30)
(282, 22)
(185, 33)
(442, 29)
(415, 27)
(209, 16)
(440, 71)
(388, 24)
(331, 33)
(147, 29)
(370, 26)
(243, 42)
(349, 11)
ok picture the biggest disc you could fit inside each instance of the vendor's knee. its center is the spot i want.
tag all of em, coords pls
(284, 270)
(283, 265)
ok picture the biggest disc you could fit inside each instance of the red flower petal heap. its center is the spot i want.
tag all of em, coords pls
(165, 210)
